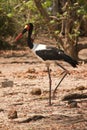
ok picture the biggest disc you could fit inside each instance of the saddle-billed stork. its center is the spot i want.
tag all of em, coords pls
(47, 54)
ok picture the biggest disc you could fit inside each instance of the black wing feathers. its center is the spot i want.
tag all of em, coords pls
(55, 54)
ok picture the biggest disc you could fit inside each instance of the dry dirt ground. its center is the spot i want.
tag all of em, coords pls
(20, 72)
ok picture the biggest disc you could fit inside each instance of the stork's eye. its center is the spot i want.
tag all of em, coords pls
(26, 27)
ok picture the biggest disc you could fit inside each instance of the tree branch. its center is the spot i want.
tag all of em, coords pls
(47, 18)
(81, 46)
(42, 11)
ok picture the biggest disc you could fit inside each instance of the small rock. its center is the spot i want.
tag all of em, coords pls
(1, 109)
(12, 114)
(81, 88)
(53, 129)
(36, 91)
(7, 83)
(33, 118)
(72, 104)
(31, 71)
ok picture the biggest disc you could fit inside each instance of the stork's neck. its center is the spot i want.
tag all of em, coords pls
(29, 40)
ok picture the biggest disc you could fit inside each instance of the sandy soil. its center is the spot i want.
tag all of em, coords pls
(25, 72)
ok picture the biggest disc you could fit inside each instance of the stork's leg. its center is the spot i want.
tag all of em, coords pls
(59, 84)
(49, 85)
(65, 72)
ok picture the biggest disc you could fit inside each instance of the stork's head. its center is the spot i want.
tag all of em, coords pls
(28, 28)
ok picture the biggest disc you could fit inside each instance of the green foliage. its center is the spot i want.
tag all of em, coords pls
(16, 13)
(47, 5)
(6, 46)
(6, 24)
(76, 11)
(7, 20)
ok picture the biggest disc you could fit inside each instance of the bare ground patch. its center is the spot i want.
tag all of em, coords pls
(33, 111)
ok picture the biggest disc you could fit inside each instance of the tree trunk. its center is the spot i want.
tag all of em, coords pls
(71, 48)
(70, 45)
(47, 21)
(42, 10)
(55, 7)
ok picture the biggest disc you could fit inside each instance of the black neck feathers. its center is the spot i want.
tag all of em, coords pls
(29, 40)
(30, 29)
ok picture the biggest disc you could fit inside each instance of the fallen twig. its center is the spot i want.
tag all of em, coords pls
(74, 96)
